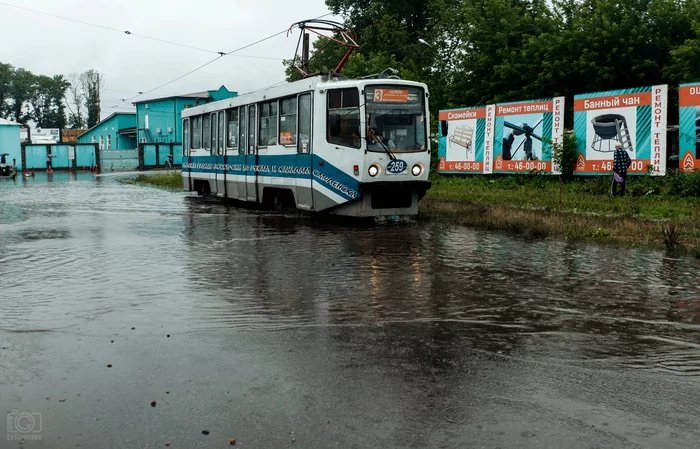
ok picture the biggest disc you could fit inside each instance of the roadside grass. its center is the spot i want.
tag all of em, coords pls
(167, 180)
(539, 206)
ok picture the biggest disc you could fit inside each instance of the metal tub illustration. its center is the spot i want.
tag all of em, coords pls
(609, 128)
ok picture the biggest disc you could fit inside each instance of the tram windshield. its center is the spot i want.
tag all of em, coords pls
(396, 115)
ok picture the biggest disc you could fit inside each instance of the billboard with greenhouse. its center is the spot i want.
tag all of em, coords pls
(465, 140)
(689, 127)
(525, 133)
(635, 119)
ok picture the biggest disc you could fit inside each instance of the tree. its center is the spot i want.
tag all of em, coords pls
(92, 85)
(75, 103)
(6, 74)
(46, 100)
(20, 92)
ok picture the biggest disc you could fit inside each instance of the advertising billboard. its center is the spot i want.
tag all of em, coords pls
(689, 127)
(465, 140)
(633, 118)
(524, 133)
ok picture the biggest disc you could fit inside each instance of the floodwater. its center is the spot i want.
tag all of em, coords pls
(280, 331)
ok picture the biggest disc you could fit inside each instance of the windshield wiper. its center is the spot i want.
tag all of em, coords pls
(386, 148)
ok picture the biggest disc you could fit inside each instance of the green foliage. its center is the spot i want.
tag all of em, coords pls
(171, 180)
(485, 51)
(564, 155)
(26, 97)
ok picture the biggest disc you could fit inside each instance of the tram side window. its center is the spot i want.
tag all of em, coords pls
(344, 117)
(206, 132)
(197, 132)
(268, 124)
(186, 137)
(232, 136)
(288, 121)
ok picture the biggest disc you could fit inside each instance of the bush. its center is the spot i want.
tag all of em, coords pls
(564, 155)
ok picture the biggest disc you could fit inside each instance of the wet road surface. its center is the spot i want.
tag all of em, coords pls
(280, 331)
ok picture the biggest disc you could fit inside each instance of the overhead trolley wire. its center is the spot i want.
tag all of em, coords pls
(221, 55)
(129, 33)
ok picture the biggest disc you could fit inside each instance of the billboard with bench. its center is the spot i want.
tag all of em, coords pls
(465, 140)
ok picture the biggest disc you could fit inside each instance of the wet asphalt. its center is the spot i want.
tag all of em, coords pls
(280, 331)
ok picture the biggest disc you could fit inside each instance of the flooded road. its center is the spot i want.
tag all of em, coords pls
(280, 331)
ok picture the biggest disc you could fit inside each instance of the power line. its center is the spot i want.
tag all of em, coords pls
(129, 33)
(221, 55)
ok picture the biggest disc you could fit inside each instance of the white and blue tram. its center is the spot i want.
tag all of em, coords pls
(346, 147)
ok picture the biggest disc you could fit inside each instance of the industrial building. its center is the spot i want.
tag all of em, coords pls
(116, 132)
(159, 120)
(9, 141)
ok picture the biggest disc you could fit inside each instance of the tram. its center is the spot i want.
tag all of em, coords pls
(352, 147)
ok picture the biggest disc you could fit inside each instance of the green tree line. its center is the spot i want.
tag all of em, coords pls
(485, 51)
(43, 100)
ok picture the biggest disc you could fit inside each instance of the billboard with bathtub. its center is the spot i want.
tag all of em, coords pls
(689, 127)
(633, 118)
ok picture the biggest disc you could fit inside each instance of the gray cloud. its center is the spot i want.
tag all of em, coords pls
(47, 45)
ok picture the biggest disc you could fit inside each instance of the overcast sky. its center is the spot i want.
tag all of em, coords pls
(48, 45)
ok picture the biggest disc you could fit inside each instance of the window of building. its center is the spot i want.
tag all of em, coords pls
(93, 139)
(241, 130)
(145, 121)
(206, 132)
(304, 141)
(197, 132)
(344, 117)
(232, 136)
(186, 137)
(268, 124)
(109, 142)
(222, 132)
(251, 129)
(288, 121)
(102, 143)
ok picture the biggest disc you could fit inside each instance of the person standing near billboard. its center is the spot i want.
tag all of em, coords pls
(621, 162)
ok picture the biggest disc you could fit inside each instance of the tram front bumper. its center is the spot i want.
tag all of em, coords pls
(394, 198)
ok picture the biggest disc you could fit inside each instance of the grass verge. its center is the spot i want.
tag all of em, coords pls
(166, 180)
(542, 207)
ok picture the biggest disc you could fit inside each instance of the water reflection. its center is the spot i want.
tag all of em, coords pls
(432, 334)
(477, 290)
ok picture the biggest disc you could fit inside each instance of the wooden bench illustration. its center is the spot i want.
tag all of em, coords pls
(463, 136)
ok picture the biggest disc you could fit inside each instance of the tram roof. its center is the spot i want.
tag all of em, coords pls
(296, 87)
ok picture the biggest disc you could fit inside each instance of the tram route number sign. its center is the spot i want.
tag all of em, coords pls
(390, 95)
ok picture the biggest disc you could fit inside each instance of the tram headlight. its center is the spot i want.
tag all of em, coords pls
(417, 169)
(373, 170)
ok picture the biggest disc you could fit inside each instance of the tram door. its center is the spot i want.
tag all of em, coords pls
(213, 138)
(220, 146)
(241, 192)
(251, 158)
(304, 150)
(186, 142)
